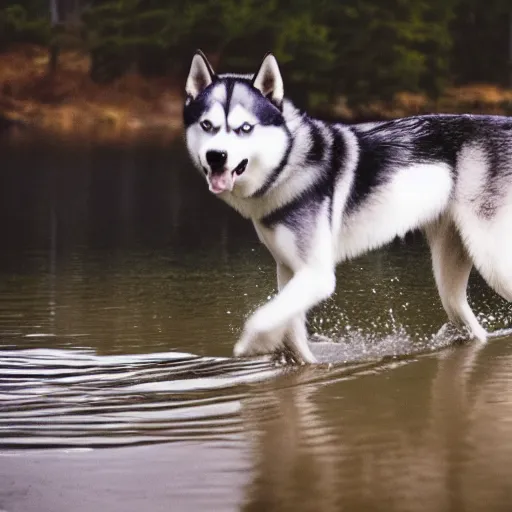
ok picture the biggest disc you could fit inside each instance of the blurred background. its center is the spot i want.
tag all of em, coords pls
(76, 64)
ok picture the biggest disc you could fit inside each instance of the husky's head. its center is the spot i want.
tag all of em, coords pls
(235, 130)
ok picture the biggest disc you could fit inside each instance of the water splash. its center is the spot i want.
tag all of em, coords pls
(338, 339)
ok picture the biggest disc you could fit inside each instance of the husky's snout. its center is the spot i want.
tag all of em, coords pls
(216, 160)
(221, 179)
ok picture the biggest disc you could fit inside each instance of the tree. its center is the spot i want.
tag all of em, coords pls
(360, 49)
(481, 37)
(54, 47)
(23, 21)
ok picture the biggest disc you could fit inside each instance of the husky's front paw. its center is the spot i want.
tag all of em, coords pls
(249, 345)
(255, 341)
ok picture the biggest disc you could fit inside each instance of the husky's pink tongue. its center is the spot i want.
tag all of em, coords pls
(222, 183)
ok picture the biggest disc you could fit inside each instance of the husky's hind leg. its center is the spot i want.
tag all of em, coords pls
(452, 265)
(482, 209)
(489, 243)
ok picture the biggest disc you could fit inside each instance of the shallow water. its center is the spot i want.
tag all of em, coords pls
(123, 289)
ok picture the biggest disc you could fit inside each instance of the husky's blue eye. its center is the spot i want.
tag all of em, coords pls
(245, 129)
(206, 125)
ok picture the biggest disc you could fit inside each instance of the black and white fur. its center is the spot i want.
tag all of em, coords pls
(320, 193)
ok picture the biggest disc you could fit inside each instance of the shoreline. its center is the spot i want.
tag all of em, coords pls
(70, 104)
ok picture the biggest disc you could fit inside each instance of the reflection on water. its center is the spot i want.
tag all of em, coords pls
(427, 434)
(123, 288)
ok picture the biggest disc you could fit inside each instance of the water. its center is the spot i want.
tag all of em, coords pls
(123, 289)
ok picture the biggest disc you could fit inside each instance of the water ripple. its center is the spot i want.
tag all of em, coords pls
(72, 398)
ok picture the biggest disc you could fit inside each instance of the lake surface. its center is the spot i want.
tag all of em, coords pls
(123, 287)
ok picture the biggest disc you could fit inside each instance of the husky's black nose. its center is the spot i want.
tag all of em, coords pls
(216, 160)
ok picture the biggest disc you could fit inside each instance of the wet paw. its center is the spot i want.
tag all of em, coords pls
(454, 333)
(254, 343)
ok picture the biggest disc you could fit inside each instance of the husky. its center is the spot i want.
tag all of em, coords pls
(321, 193)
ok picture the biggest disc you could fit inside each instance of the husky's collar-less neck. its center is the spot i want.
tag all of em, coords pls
(314, 159)
(274, 175)
(292, 122)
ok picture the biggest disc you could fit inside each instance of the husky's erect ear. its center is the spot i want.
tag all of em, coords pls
(200, 76)
(268, 80)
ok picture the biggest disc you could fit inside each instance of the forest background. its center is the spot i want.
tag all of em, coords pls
(121, 64)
